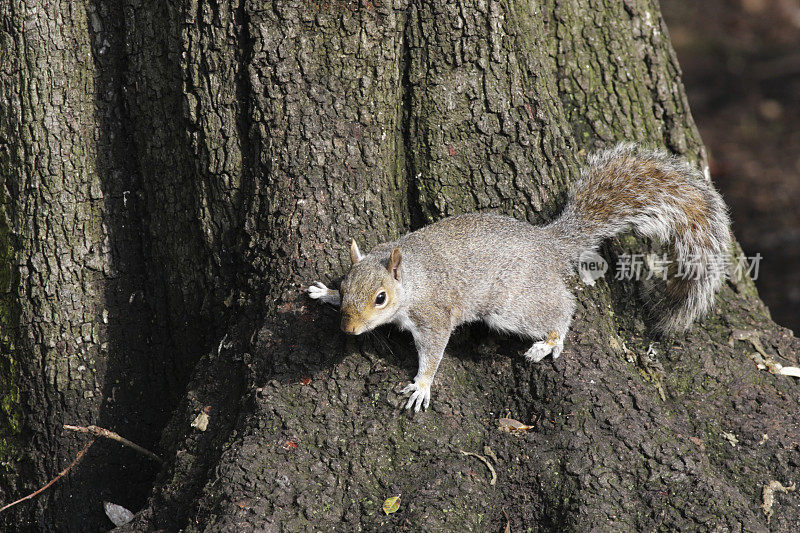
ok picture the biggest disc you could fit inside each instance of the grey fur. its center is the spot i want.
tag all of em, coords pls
(703, 251)
(511, 274)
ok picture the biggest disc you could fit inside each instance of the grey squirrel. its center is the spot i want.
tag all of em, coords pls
(511, 275)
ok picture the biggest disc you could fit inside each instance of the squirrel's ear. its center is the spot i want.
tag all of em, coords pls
(355, 253)
(394, 263)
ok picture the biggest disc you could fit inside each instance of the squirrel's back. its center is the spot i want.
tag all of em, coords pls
(474, 262)
(476, 237)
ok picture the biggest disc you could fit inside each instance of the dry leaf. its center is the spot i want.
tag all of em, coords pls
(391, 505)
(509, 425)
(768, 495)
(699, 442)
(201, 421)
(731, 438)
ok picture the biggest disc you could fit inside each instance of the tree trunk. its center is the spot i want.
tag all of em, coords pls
(174, 173)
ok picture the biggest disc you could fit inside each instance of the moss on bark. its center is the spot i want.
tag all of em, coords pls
(10, 412)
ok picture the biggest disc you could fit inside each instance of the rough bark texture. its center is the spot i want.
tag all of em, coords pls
(173, 173)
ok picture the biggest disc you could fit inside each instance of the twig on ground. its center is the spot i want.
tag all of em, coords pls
(485, 461)
(59, 476)
(96, 432)
(102, 432)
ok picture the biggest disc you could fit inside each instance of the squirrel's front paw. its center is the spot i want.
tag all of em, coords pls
(420, 395)
(317, 290)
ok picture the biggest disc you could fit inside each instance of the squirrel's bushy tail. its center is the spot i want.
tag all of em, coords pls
(662, 197)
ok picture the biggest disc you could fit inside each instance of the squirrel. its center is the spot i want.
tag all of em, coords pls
(512, 275)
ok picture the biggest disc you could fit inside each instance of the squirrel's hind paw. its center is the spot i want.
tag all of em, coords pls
(420, 395)
(539, 351)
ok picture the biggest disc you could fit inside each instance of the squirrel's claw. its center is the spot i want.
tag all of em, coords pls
(317, 290)
(420, 396)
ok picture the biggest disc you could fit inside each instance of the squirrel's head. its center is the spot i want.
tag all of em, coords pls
(369, 291)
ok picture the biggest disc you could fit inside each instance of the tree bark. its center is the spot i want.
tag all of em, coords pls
(174, 173)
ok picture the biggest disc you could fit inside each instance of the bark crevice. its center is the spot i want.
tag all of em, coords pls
(406, 98)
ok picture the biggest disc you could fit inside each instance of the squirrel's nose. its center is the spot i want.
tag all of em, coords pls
(349, 327)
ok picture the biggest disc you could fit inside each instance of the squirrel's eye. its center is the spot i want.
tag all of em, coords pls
(380, 299)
